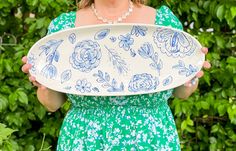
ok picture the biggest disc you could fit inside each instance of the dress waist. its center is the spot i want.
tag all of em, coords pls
(151, 100)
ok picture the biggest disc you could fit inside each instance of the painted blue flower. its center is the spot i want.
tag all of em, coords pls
(50, 47)
(83, 86)
(49, 71)
(51, 53)
(174, 43)
(139, 30)
(125, 41)
(143, 82)
(86, 56)
(146, 51)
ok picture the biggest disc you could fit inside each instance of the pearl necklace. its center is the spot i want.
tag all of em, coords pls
(119, 19)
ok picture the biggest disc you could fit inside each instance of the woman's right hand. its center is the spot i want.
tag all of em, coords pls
(25, 68)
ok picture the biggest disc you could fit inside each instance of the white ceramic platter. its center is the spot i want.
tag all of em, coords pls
(115, 60)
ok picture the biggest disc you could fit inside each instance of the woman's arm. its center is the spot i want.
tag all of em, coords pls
(184, 91)
(51, 100)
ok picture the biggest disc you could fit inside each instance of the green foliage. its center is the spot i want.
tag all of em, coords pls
(206, 121)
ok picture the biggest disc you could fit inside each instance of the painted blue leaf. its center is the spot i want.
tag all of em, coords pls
(153, 66)
(114, 83)
(132, 53)
(188, 73)
(122, 86)
(101, 34)
(100, 80)
(66, 76)
(44, 49)
(100, 73)
(107, 77)
(193, 69)
(111, 89)
(181, 63)
(49, 58)
(95, 89)
(56, 57)
(182, 72)
(67, 87)
(167, 81)
(72, 38)
(113, 39)
(106, 85)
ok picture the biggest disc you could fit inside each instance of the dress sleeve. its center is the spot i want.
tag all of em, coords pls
(166, 17)
(63, 21)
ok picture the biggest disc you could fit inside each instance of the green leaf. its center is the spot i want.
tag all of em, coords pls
(5, 132)
(222, 109)
(232, 114)
(194, 7)
(213, 140)
(220, 41)
(231, 60)
(40, 111)
(233, 11)
(3, 103)
(220, 12)
(215, 128)
(23, 98)
(184, 125)
(205, 105)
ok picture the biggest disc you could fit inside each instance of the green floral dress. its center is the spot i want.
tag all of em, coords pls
(127, 123)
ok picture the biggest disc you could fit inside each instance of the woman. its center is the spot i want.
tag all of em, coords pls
(139, 122)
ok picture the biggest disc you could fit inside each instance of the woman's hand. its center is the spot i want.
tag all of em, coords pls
(188, 88)
(25, 68)
(50, 99)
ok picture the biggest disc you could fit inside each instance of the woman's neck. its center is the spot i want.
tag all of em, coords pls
(111, 8)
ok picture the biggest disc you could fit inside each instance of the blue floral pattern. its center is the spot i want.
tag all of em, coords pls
(183, 70)
(143, 83)
(86, 56)
(107, 82)
(173, 43)
(147, 52)
(125, 41)
(139, 31)
(83, 86)
(117, 61)
(51, 53)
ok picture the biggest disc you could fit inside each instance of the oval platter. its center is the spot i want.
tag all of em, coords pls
(115, 60)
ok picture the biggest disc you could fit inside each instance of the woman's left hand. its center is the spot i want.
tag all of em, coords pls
(206, 65)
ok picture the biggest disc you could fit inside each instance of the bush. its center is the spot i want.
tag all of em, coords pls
(206, 121)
